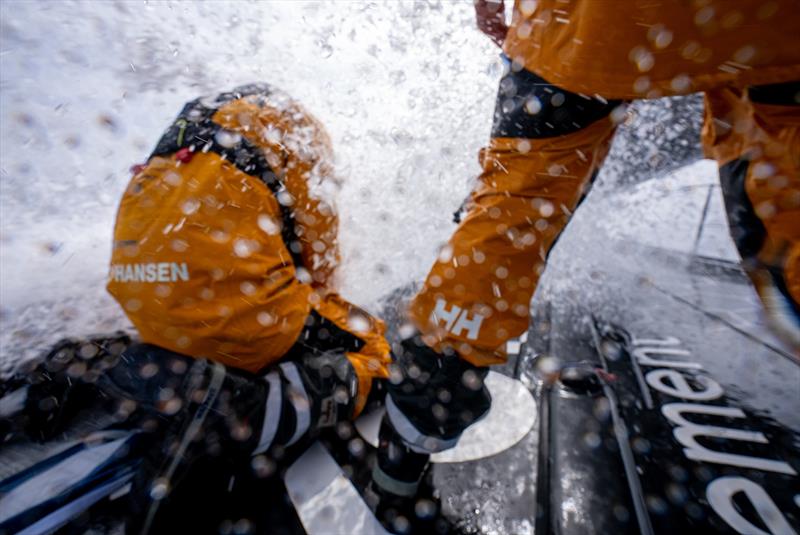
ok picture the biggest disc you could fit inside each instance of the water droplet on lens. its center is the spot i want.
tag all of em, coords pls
(227, 139)
(159, 489)
(263, 466)
(356, 447)
(424, 509)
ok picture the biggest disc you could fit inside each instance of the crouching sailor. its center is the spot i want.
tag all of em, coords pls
(224, 258)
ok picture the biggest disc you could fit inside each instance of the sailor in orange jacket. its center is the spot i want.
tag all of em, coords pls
(225, 255)
(571, 64)
(225, 240)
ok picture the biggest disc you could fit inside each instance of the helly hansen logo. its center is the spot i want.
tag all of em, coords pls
(150, 272)
(457, 320)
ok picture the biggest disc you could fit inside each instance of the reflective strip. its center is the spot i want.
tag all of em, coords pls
(272, 413)
(395, 486)
(45, 483)
(301, 408)
(61, 516)
(411, 436)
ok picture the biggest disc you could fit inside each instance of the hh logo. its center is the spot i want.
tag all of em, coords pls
(456, 320)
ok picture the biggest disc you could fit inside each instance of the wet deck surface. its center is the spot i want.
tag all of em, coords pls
(687, 286)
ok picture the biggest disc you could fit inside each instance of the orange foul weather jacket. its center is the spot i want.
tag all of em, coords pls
(225, 240)
(571, 66)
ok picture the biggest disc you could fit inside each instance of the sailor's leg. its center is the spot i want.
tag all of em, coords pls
(546, 145)
(213, 412)
(755, 136)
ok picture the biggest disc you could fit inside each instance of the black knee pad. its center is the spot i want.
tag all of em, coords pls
(437, 398)
(530, 107)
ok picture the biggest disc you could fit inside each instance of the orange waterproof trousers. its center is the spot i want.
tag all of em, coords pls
(554, 120)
